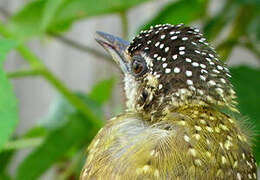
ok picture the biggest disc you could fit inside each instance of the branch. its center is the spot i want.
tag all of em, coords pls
(23, 73)
(22, 143)
(82, 47)
(251, 47)
(124, 24)
(4, 12)
(70, 42)
(36, 63)
(238, 29)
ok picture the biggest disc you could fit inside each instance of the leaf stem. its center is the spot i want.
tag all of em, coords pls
(81, 47)
(238, 29)
(251, 47)
(23, 73)
(37, 64)
(124, 24)
(22, 143)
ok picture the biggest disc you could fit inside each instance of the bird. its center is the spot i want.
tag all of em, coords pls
(180, 121)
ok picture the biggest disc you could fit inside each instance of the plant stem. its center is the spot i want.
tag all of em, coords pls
(124, 23)
(22, 143)
(251, 47)
(23, 73)
(82, 47)
(238, 29)
(72, 166)
(36, 64)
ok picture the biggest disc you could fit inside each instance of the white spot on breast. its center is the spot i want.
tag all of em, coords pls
(156, 173)
(174, 57)
(164, 65)
(182, 52)
(167, 70)
(186, 138)
(223, 159)
(188, 73)
(181, 48)
(185, 38)
(196, 51)
(195, 64)
(238, 176)
(166, 49)
(176, 70)
(203, 78)
(212, 83)
(204, 71)
(174, 37)
(160, 86)
(219, 67)
(188, 60)
(163, 59)
(198, 128)
(203, 66)
(157, 44)
(155, 55)
(193, 152)
(161, 46)
(163, 36)
(189, 82)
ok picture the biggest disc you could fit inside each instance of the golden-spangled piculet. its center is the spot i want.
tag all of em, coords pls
(178, 124)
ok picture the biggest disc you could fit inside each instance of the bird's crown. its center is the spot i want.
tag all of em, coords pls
(169, 66)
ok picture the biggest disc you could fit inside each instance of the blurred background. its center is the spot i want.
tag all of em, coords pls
(58, 85)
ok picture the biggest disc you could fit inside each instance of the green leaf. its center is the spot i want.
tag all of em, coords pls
(8, 104)
(5, 158)
(42, 16)
(181, 11)
(246, 81)
(73, 10)
(214, 25)
(50, 9)
(76, 131)
(60, 110)
(101, 92)
(26, 23)
(254, 27)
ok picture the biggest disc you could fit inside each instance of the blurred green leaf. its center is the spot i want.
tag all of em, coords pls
(60, 110)
(50, 9)
(36, 131)
(101, 92)
(5, 158)
(3, 176)
(252, 2)
(246, 81)
(26, 23)
(214, 25)
(181, 11)
(58, 15)
(8, 106)
(73, 10)
(77, 130)
(254, 27)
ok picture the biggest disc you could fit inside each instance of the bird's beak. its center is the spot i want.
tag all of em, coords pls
(117, 47)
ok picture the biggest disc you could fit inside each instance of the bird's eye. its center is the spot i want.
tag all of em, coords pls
(138, 66)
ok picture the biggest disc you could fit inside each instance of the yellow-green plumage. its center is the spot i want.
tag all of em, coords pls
(173, 127)
(188, 143)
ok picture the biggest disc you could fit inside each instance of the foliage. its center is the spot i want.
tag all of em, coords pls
(63, 134)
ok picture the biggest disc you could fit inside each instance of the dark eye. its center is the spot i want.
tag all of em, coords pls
(137, 67)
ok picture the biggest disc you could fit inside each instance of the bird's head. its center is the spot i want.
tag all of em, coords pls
(170, 66)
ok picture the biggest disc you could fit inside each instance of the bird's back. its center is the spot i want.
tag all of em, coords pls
(187, 143)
